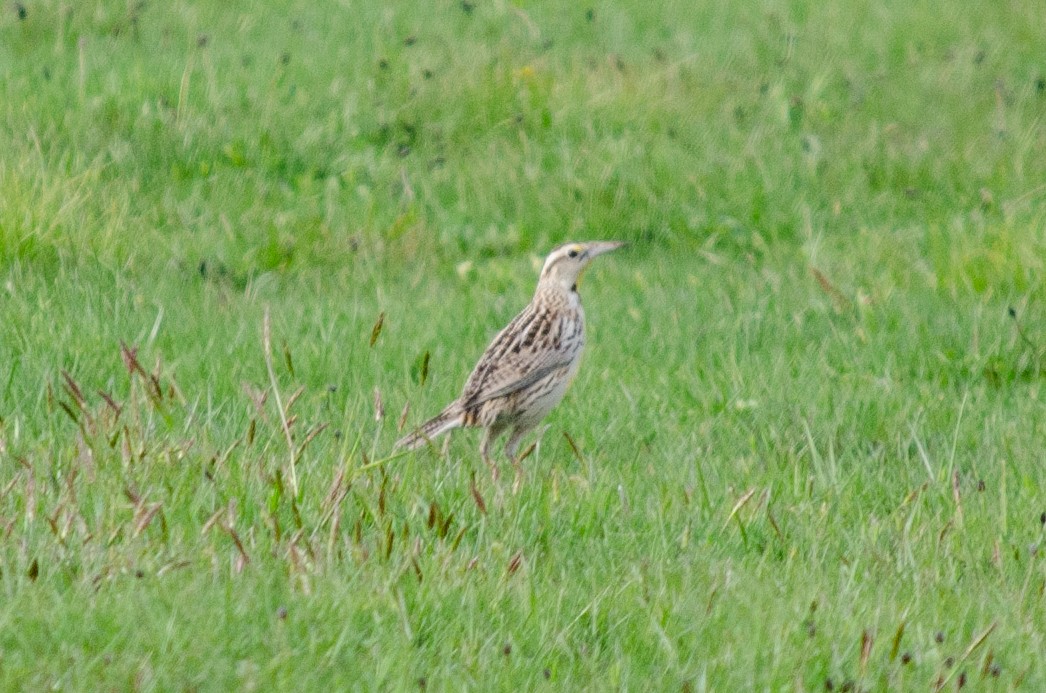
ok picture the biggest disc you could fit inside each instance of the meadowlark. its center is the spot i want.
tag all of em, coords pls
(529, 365)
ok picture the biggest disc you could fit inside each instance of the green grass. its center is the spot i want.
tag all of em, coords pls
(810, 434)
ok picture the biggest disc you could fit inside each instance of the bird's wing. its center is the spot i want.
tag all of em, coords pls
(519, 356)
(524, 382)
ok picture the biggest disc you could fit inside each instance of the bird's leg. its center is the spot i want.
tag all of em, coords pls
(511, 446)
(491, 435)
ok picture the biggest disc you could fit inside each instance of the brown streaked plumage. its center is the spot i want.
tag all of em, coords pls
(528, 366)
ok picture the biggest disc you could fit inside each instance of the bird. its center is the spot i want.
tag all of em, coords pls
(528, 366)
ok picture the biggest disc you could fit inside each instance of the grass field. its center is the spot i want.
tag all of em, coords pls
(806, 449)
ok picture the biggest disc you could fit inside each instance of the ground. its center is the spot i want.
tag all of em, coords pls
(243, 246)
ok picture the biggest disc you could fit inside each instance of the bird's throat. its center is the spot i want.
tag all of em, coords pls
(577, 282)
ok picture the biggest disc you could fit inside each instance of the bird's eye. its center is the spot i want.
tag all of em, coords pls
(572, 253)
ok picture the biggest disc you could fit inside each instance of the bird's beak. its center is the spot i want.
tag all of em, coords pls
(599, 247)
(594, 249)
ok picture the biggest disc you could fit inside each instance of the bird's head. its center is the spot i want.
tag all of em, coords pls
(565, 265)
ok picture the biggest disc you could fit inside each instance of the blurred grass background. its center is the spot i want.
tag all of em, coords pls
(810, 422)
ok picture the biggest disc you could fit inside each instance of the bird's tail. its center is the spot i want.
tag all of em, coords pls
(451, 417)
